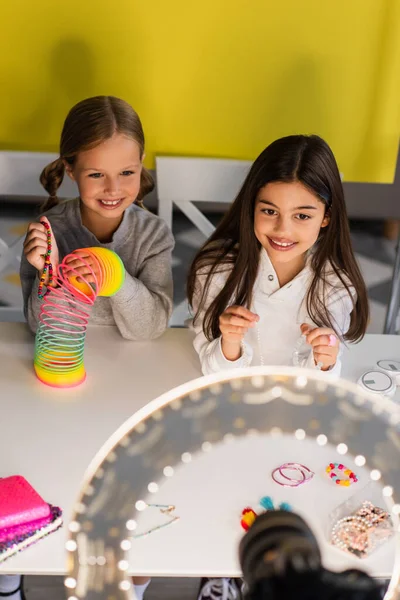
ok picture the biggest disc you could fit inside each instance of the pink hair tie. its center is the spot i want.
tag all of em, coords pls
(305, 472)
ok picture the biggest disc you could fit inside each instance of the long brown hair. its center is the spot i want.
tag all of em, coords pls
(233, 246)
(89, 123)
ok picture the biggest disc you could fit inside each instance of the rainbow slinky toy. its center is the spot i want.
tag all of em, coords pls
(65, 312)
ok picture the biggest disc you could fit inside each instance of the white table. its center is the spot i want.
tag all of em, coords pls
(50, 436)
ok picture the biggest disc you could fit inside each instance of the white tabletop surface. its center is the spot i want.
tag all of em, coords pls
(50, 437)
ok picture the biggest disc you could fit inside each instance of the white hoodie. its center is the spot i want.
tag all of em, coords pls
(281, 310)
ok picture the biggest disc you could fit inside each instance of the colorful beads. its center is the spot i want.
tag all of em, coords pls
(349, 476)
(249, 515)
(47, 264)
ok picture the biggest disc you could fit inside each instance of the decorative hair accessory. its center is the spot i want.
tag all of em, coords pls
(249, 515)
(47, 264)
(349, 476)
(363, 531)
(267, 503)
(248, 518)
(281, 475)
(165, 509)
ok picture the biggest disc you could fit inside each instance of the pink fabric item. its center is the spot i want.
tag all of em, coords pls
(24, 529)
(26, 536)
(20, 503)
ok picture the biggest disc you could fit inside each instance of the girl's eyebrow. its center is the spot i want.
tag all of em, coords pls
(297, 208)
(132, 166)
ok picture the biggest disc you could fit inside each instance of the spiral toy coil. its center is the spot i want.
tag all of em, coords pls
(65, 312)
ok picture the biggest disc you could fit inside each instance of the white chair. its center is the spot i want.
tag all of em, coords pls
(20, 172)
(19, 181)
(182, 181)
(380, 201)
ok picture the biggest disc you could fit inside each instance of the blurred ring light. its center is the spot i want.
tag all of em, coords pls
(260, 399)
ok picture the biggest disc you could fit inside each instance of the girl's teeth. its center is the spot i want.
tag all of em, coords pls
(283, 243)
(110, 203)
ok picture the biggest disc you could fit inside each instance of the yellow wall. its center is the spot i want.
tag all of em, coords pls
(210, 78)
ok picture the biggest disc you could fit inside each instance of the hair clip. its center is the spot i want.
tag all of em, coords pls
(248, 518)
(267, 503)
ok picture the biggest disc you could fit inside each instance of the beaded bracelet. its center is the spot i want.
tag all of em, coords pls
(167, 509)
(350, 476)
(47, 264)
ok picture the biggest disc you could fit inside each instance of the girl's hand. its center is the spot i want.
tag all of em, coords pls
(233, 324)
(85, 270)
(35, 247)
(325, 345)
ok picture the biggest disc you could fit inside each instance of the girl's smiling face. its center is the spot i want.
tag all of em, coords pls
(287, 221)
(108, 177)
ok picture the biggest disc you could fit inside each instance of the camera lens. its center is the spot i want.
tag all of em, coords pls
(281, 560)
(278, 541)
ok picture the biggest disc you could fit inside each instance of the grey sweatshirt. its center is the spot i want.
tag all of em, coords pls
(142, 307)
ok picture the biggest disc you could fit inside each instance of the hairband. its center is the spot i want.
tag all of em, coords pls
(280, 474)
